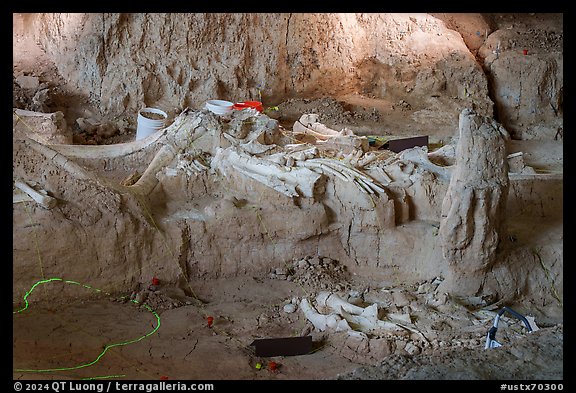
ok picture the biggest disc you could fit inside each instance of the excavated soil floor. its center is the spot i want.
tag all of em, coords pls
(103, 336)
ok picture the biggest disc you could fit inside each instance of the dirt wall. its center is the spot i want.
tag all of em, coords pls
(524, 61)
(125, 61)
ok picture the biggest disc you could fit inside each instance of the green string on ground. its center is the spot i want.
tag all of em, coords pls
(104, 377)
(106, 348)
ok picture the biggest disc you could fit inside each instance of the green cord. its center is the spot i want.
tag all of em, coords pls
(106, 348)
(104, 377)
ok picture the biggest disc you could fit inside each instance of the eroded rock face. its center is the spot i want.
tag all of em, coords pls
(474, 28)
(524, 65)
(180, 60)
(474, 207)
(530, 93)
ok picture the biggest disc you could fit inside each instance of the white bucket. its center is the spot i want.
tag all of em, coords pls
(146, 126)
(219, 107)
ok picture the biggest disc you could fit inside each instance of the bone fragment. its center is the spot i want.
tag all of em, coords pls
(323, 322)
(419, 156)
(289, 181)
(45, 201)
(344, 172)
(335, 302)
(364, 318)
(148, 181)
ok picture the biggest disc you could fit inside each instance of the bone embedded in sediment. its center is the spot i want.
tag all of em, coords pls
(419, 156)
(321, 322)
(191, 163)
(308, 124)
(42, 198)
(62, 161)
(335, 302)
(46, 128)
(292, 182)
(344, 172)
(380, 175)
(148, 181)
(364, 319)
(255, 147)
(366, 159)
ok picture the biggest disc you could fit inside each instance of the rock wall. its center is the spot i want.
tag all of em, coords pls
(524, 64)
(126, 61)
(474, 28)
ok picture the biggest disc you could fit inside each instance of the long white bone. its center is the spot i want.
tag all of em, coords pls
(176, 140)
(336, 168)
(366, 159)
(335, 302)
(309, 124)
(323, 322)
(148, 180)
(62, 161)
(366, 318)
(289, 181)
(419, 156)
(45, 201)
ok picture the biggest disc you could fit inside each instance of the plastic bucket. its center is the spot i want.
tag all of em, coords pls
(147, 125)
(249, 104)
(219, 107)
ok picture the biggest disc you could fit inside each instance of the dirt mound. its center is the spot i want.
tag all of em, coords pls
(537, 356)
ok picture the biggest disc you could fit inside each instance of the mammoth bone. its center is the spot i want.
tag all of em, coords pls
(345, 316)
